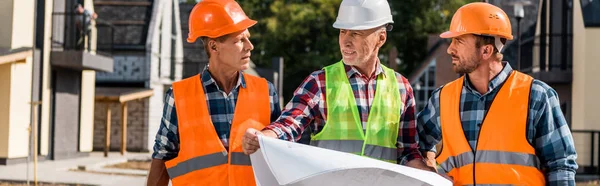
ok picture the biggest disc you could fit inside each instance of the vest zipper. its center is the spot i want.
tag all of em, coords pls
(477, 143)
(481, 129)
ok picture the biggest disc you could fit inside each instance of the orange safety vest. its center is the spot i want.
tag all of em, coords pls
(202, 158)
(503, 155)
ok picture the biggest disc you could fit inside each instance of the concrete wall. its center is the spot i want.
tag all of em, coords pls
(66, 113)
(585, 103)
(46, 89)
(15, 96)
(20, 108)
(17, 29)
(137, 128)
(88, 93)
(6, 18)
(15, 110)
(23, 28)
(86, 122)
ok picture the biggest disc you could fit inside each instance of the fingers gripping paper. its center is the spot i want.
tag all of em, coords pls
(279, 163)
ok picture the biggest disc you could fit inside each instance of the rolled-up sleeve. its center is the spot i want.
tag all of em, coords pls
(166, 142)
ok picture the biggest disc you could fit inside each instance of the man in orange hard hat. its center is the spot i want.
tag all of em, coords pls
(205, 116)
(495, 125)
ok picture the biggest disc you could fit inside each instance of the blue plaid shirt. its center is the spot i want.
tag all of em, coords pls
(221, 107)
(547, 128)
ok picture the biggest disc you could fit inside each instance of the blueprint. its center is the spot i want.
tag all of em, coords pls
(283, 163)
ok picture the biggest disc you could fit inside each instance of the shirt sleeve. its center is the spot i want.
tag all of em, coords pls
(552, 139)
(299, 113)
(166, 143)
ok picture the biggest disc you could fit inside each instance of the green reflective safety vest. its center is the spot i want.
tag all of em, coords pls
(343, 130)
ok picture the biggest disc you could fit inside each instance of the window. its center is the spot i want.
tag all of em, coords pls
(591, 12)
(424, 86)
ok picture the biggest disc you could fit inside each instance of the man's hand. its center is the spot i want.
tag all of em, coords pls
(420, 164)
(430, 159)
(158, 175)
(250, 141)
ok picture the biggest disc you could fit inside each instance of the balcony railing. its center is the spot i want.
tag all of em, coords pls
(70, 31)
(592, 167)
(554, 56)
(73, 44)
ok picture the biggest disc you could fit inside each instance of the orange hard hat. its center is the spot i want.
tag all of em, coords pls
(215, 18)
(481, 19)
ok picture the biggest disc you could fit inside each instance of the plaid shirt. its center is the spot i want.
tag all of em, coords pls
(308, 109)
(547, 128)
(221, 107)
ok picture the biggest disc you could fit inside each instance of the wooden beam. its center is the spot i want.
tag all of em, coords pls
(107, 99)
(15, 57)
(137, 95)
(123, 3)
(107, 138)
(123, 128)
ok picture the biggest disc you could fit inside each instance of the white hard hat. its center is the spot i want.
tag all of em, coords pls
(363, 14)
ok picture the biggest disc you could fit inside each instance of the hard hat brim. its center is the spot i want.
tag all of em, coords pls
(242, 25)
(364, 26)
(450, 34)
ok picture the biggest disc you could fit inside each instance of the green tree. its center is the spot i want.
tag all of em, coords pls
(301, 32)
(414, 20)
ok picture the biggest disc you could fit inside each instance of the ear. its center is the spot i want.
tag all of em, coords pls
(487, 51)
(212, 44)
(382, 38)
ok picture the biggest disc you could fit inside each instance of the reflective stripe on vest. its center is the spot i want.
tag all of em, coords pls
(486, 156)
(355, 147)
(206, 161)
(503, 154)
(202, 158)
(198, 163)
(344, 131)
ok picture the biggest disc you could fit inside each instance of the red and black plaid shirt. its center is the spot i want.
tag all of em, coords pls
(308, 108)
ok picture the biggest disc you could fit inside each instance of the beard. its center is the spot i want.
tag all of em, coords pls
(465, 66)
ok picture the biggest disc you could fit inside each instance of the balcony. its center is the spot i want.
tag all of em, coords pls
(550, 62)
(74, 44)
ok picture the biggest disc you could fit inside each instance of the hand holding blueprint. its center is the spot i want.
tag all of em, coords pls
(279, 163)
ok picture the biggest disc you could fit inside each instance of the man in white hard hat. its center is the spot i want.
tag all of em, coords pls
(356, 105)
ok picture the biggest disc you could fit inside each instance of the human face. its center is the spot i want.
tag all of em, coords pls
(358, 47)
(234, 52)
(80, 9)
(465, 56)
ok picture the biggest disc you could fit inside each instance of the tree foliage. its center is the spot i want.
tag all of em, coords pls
(301, 32)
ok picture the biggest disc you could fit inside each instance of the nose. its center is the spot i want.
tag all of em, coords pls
(450, 49)
(249, 45)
